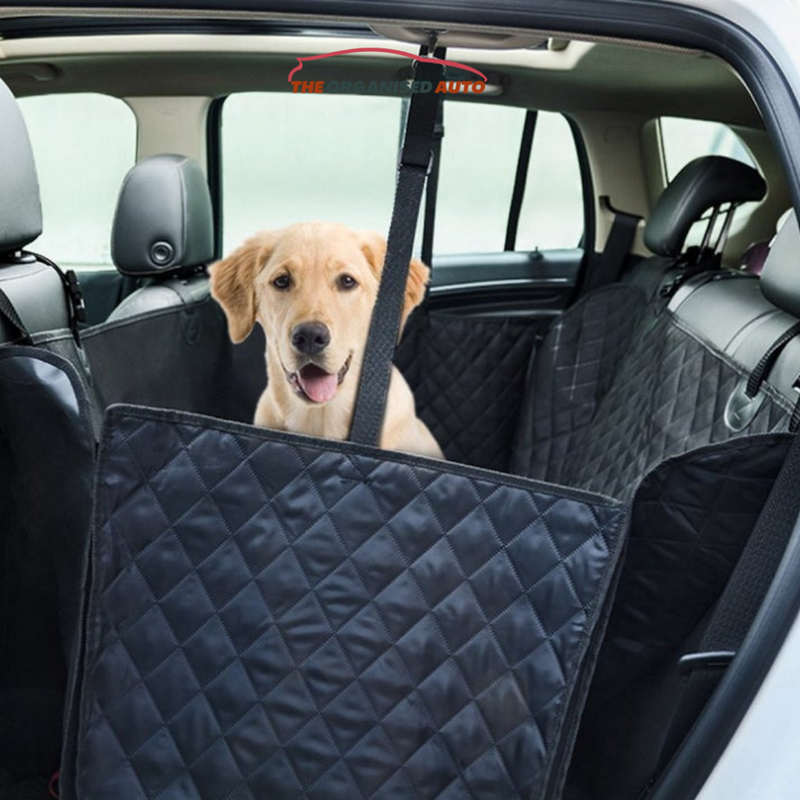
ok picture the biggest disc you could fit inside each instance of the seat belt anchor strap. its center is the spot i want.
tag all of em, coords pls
(714, 659)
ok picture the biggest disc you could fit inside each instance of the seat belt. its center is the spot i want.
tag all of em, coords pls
(612, 259)
(414, 165)
(738, 605)
(432, 188)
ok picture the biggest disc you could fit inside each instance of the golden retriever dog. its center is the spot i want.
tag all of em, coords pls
(313, 286)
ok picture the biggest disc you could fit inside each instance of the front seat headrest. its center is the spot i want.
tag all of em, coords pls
(702, 184)
(20, 208)
(780, 277)
(164, 222)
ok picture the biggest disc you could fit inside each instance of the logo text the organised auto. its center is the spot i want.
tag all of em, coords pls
(396, 87)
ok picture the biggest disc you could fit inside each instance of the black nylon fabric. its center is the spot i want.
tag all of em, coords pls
(47, 466)
(691, 518)
(178, 358)
(667, 397)
(572, 371)
(269, 619)
(468, 379)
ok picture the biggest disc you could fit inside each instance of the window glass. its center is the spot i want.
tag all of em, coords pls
(292, 157)
(297, 157)
(683, 140)
(83, 144)
(476, 179)
(552, 211)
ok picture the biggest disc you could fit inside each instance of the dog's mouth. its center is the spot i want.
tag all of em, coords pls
(312, 383)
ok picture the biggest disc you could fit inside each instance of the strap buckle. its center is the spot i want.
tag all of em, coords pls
(428, 168)
(713, 659)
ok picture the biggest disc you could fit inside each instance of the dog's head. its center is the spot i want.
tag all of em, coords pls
(312, 286)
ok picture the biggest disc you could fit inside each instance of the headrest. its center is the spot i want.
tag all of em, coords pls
(20, 209)
(702, 184)
(780, 278)
(163, 223)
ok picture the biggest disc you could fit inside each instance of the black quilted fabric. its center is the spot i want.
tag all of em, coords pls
(691, 517)
(273, 620)
(667, 397)
(468, 378)
(572, 372)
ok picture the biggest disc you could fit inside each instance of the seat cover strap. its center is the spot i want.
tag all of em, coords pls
(415, 162)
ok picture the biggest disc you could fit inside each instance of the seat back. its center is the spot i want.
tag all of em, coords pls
(33, 290)
(46, 474)
(167, 344)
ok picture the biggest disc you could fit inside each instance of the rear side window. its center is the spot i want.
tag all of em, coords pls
(683, 140)
(480, 151)
(83, 144)
(297, 157)
(292, 157)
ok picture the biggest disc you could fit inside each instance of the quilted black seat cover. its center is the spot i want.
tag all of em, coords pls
(269, 619)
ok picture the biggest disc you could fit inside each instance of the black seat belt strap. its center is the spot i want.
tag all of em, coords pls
(518, 195)
(415, 163)
(739, 602)
(618, 246)
(432, 188)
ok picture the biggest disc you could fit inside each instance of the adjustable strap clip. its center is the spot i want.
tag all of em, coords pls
(714, 659)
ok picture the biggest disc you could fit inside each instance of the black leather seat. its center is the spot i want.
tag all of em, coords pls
(163, 234)
(34, 290)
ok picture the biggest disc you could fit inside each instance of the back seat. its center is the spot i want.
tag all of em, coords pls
(654, 408)
(167, 343)
(574, 367)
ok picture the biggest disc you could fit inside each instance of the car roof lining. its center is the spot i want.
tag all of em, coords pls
(591, 76)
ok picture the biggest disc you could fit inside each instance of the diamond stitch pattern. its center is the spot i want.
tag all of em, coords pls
(287, 648)
(468, 378)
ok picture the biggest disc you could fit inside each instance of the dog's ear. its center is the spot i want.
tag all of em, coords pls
(232, 284)
(374, 248)
(418, 275)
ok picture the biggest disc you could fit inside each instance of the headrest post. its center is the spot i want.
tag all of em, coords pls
(709, 228)
(722, 239)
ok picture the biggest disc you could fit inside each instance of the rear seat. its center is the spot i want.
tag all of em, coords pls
(167, 343)
(576, 363)
(658, 414)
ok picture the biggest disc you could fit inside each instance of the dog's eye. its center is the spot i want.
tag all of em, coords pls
(347, 282)
(282, 282)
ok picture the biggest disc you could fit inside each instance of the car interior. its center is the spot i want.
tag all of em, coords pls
(612, 308)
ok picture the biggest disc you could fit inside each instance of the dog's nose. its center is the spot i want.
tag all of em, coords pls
(311, 337)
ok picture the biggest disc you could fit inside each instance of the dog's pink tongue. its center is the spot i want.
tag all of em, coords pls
(318, 385)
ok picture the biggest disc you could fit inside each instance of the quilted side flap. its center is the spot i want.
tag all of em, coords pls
(690, 519)
(276, 617)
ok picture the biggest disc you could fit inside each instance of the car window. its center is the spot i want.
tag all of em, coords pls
(683, 140)
(291, 157)
(83, 144)
(298, 157)
(480, 150)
